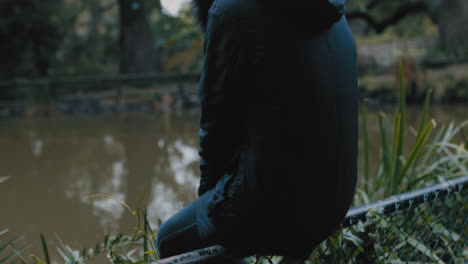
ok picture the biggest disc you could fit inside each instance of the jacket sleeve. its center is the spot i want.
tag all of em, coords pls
(222, 106)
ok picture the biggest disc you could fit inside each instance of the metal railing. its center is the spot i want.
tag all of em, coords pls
(428, 225)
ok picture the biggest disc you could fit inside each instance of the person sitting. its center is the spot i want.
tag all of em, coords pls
(278, 130)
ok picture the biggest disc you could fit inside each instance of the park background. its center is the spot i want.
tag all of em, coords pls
(100, 97)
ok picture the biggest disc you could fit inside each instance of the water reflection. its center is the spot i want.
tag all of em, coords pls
(163, 203)
(110, 211)
(4, 179)
(80, 184)
(37, 146)
(181, 159)
(47, 167)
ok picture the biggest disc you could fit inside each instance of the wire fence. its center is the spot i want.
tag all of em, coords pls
(423, 226)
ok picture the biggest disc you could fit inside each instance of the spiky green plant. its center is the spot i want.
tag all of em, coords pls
(437, 154)
(432, 158)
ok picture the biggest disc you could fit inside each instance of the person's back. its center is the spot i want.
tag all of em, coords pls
(278, 133)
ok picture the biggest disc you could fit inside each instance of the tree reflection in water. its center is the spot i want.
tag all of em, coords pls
(49, 165)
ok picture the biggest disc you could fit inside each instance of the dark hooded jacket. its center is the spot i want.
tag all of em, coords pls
(279, 120)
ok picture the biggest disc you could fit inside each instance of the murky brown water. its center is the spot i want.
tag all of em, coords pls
(47, 167)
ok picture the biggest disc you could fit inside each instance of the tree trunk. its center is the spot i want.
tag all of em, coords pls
(452, 21)
(136, 41)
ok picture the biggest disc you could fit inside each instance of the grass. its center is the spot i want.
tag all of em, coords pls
(138, 248)
(435, 155)
(438, 153)
(14, 254)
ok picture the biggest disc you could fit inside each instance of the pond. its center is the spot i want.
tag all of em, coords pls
(49, 166)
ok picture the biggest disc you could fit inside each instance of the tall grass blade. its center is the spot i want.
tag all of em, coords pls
(423, 120)
(44, 247)
(438, 163)
(133, 212)
(152, 238)
(425, 113)
(424, 249)
(18, 252)
(145, 239)
(459, 128)
(415, 152)
(7, 258)
(366, 146)
(464, 138)
(447, 136)
(11, 242)
(423, 177)
(433, 146)
(37, 260)
(385, 152)
(399, 136)
(65, 252)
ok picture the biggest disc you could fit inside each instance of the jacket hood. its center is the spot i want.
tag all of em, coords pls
(314, 13)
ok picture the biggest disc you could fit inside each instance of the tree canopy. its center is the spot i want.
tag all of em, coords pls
(89, 37)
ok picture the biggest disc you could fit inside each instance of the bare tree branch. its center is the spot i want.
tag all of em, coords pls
(400, 13)
(373, 4)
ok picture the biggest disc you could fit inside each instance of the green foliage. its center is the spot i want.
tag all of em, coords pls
(436, 155)
(9, 253)
(426, 233)
(138, 248)
(431, 158)
(74, 37)
(179, 39)
(31, 34)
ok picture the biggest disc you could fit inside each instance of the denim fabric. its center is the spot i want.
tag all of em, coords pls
(188, 230)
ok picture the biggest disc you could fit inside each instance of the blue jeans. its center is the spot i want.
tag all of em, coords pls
(189, 229)
(192, 228)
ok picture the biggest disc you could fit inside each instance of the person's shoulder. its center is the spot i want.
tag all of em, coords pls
(235, 10)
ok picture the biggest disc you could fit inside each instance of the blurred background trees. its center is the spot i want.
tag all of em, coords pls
(54, 38)
(31, 35)
(413, 18)
(137, 51)
(452, 15)
(85, 37)
(73, 37)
